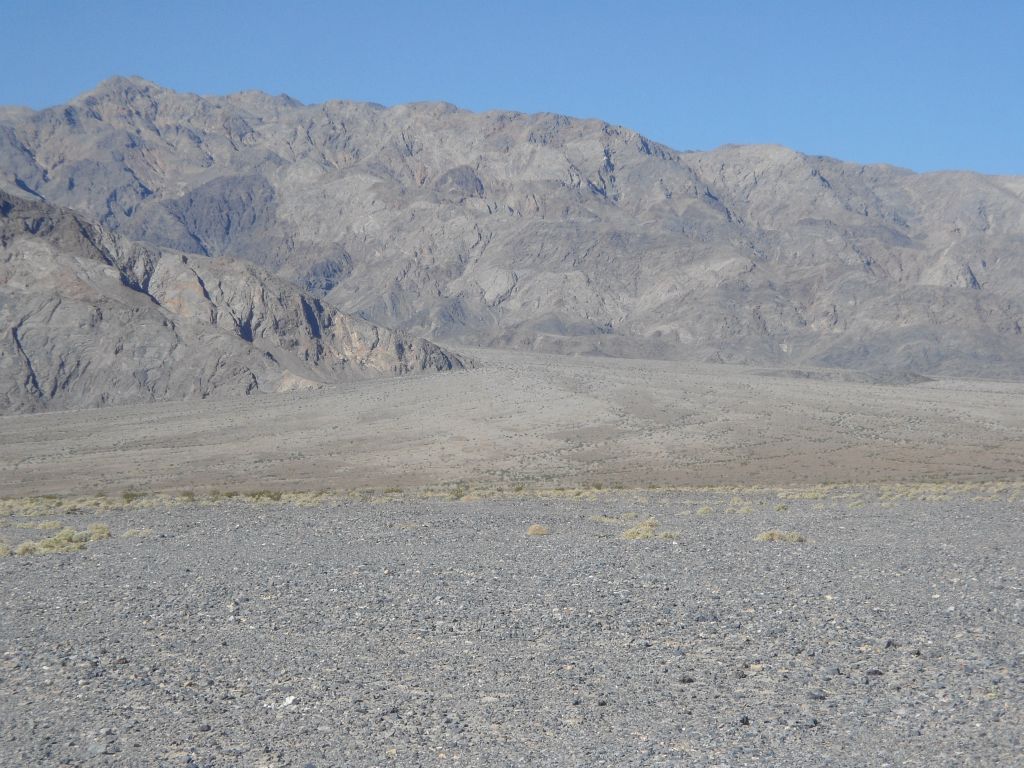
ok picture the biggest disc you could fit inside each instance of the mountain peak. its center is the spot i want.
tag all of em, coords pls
(119, 85)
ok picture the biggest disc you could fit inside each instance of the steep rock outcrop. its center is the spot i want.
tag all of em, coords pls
(89, 318)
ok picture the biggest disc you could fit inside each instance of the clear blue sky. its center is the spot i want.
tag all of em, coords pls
(926, 85)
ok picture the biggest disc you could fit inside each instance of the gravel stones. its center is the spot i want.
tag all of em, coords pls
(420, 631)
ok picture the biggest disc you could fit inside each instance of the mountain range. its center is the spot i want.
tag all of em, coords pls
(538, 232)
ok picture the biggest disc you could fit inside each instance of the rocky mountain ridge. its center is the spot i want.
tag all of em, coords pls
(91, 318)
(551, 233)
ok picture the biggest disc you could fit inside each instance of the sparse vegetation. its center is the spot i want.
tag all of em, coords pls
(136, 533)
(45, 525)
(265, 495)
(4, 549)
(67, 540)
(648, 530)
(538, 530)
(644, 530)
(131, 496)
(98, 532)
(791, 537)
(64, 541)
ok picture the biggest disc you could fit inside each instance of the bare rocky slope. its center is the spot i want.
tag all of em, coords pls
(90, 318)
(551, 233)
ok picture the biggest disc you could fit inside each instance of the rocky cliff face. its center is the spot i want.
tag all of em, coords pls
(546, 232)
(89, 318)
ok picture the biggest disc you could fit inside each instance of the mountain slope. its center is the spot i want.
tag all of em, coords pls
(89, 318)
(551, 233)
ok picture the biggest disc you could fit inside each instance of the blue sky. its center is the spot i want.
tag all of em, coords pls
(926, 85)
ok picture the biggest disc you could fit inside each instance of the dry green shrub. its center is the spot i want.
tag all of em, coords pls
(265, 495)
(45, 525)
(4, 549)
(538, 530)
(132, 496)
(644, 530)
(98, 532)
(136, 533)
(64, 541)
(791, 537)
(648, 530)
(305, 498)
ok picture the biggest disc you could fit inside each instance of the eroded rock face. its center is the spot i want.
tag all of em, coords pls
(89, 318)
(551, 233)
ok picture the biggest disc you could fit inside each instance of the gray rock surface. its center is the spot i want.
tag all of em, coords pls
(89, 318)
(428, 632)
(552, 233)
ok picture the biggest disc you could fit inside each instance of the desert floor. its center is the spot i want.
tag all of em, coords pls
(542, 561)
(884, 627)
(532, 420)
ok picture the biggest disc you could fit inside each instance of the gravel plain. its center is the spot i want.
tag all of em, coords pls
(398, 629)
(537, 420)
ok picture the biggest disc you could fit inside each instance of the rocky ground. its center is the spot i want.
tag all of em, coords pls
(535, 420)
(433, 630)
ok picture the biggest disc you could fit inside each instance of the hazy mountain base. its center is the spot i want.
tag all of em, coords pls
(93, 319)
(550, 233)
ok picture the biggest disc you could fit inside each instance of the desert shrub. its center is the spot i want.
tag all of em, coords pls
(648, 529)
(65, 540)
(791, 537)
(265, 495)
(98, 532)
(644, 530)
